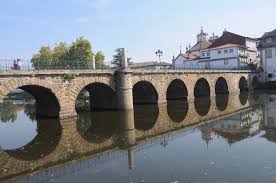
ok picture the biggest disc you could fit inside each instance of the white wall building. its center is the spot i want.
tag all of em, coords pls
(267, 48)
(230, 51)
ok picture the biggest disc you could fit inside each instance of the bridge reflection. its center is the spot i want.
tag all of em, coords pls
(109, 135)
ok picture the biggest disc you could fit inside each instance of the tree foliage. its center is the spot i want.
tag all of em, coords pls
(117, 59)
(8, 112)
(99, 59)
(77, 55)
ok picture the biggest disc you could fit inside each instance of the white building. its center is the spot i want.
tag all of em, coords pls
(267, 48)
(230, 51)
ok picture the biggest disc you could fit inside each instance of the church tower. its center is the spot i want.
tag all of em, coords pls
(202, 36)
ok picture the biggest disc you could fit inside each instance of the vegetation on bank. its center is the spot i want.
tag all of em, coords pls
(78, 54)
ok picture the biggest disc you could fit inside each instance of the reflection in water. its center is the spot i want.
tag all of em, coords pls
(145, 116)
(97, 127)
(8, 111)
(222, 102)
(46, 140)
(177, 110)
(231, 124)
(243, 97)
(202, 105)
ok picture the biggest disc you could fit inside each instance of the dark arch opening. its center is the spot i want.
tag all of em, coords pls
(243, 98)
(95, 97)
(97, 127)
(47, 139)
(202, 105)
(177, 110)
(243, 84)
(144, 93)
(255, 82)
(145, 117)
(202, 88)
(221, 86)
(46, 103)
(177, 90)
(222, 102)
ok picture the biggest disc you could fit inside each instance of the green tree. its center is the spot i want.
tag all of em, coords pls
(81, 50)
(117, 59)
(99, 59)
(43, 58)
(60, 52)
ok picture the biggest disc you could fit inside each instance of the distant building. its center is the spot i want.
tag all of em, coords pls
(267, 48)
(153, 65)
(230, 51)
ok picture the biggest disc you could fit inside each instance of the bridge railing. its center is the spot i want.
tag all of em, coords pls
(22, 64)
(10, 64)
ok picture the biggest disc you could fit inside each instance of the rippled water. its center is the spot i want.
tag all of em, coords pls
(218, 140)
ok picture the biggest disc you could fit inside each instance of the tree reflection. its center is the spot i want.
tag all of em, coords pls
(30, 111)
(8, 112)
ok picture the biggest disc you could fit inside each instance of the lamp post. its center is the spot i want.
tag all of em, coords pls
(159, 54)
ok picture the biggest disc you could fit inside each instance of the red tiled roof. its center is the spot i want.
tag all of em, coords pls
(200, 46)
(229, 38)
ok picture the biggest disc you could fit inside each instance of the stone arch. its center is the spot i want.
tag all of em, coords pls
(48, 95)
(221, 86)
(243, 85)
(100, 96)
(177, 90)
(202, 88)
(144, 93)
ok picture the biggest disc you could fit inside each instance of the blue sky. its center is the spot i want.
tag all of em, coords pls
(141, 26)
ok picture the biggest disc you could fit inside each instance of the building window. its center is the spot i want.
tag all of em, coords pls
(203, 54)
(219, 52)
(225, 51)
(231, 50)
(268, 53)
(225, 62)
(208, 54)
(270, 75)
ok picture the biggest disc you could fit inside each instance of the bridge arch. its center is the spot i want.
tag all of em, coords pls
(96, 96)
(201, 88)
(177, 90)
(144, 93)
(221, 86)
(47, 96)
(243, 85)
(48, 136)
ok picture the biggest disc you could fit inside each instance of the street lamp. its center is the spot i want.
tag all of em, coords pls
(159, 54)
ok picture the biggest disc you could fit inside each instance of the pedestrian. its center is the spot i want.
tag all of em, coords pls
(19, 63)
(15, 64)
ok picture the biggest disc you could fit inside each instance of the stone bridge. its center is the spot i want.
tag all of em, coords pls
(56, 91)
(67, 142)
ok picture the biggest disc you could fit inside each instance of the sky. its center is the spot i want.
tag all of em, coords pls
(140, 26)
